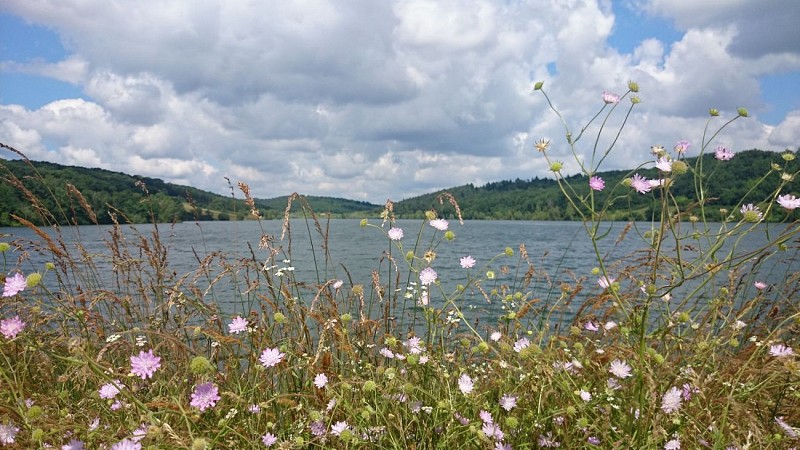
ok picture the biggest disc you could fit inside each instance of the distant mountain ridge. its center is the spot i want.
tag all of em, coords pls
(81, 195)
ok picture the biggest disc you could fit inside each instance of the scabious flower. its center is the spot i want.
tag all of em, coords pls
(508, 402)
(682, 147)
(751, 213)
(605, 282)
(790, 431)
(271, 357)
(427, 276)
(237, 325)
(609, 98)
(10, 328)
(14, 285)
(521, 344)
(495, 336)
(465, 384)
(641, 184)
(590, 326)
(110, 390)
(318, 428)
(395, 234)
(789, 202)
(8, 433)
(597, 183)
(145, 365)
(780, 351)
(620, 369)
(673, 444)
(320, 380)
(760, 285)
(338, 284)
(593, 440)
(671, 400)
(664, 164)
(439, 224)
(486, 416)
(414, 345)
(269, 439)
(467, 262)
(339, 427)
(127, 444)
(73, 444)
(723, 154)
(585, 395)
(205, 396)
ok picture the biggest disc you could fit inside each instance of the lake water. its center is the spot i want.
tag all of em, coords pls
(562, 250)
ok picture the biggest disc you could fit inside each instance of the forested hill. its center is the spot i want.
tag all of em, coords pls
(726, 183)
(132, 199)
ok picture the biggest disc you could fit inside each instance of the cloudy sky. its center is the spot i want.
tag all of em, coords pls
(371, 100)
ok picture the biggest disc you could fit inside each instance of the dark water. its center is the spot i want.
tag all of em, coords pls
(562, 250)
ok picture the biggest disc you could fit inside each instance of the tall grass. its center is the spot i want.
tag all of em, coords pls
(679, 345)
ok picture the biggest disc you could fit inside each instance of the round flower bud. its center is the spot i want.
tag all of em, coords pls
(200, 365)
(788, 156)
(635, 99)
(742, 112)
(363, 222)
(4, 247)
(679, 167)
(449, 235)
(538, 85)
(633, 86)
(556, 166)
(279, 317)
(33, 279)
(509, 251)
(430, 215)
(714, 112)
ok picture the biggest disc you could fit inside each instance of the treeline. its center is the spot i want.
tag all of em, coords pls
(725, 183)
(49, 193)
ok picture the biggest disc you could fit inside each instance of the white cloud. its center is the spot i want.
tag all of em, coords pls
(374, 100)
(787, 133)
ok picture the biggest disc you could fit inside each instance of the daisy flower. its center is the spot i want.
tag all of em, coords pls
(597, 183)
(780, 351)
(723, 154)
(508, 402)
(641, 184)
(789, 202)
(269, 439)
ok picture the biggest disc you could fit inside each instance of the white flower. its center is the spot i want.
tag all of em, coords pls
(465, 384)
(320, 380)
(671, 400)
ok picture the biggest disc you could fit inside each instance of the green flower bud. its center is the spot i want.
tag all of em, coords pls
(279, 317)
(33, 279)
(714, 112)
(683, 317)
(633, 86)
(200, 365)
(635, 100)
(346, 317)
(4, 247)
(369, 386)
(742, 112)
(509, 251)
(363, 223)
(449, 235)
(538, 85)
(37, 435)
(512, 422)
(409, 255)
(556, 166)
(490, 274)
(733, 342)
(626, 182)
(659, 359)
(788, 156)
(34, 412)
(595, 270)
(679, 167)
(571, 410)
(49, 266)
(199, 444)
(483, 347)
(430, 215)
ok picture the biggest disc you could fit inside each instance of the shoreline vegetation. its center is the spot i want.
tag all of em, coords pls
(680, 344)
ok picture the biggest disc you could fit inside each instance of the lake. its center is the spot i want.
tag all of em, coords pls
(561, 250)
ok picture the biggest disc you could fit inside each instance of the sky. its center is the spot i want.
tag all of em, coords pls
(375, 100)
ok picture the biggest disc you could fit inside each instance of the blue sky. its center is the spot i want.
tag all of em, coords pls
(372, 100)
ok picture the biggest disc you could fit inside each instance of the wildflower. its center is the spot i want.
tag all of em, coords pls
(339, 427)
(486, 416)
(542, 145)
(255, 408)
(751, 213)
(495, 336)
(467, 262)
(590, 326)
(269, 439)
(423, 298)
(501, 446)
(641, 184)
(491, 430)
(585, 395)
(414, 345)
(547, 441)
(73, 444)
(723, 154)
(33, 280)
(760, 285)
(610, 325)
(127, 444)
(14, 285)
(671, 400)
(110, 390)
(337, 284)
(789, 202)
(461, 419)
(673, 444)
(7, 433)
(465, 384)
(613, 384)
(738, 325)
(238, 325)
(332, 403)
(593, 440)
(688, 390)
(320, 380)
(395, 234)
(556, 166)
(205, 396)
(387, 353)
(427, 276)
(620, 369)
(116, 405)
(271, 357)
(10, 328)
(439, 224)
(521, 344)
(682, 147)
(780, 351)
(145, 365)
(664, 164)
(508, 402)
(788, 429)
(657, 150)
(605, 282)
(609, 98)
(597, 183)
(318, 428)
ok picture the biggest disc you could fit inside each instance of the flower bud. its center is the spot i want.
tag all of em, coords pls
(4, 247)
(788, 156)
(635, 99)
(633, 86)
(509, 251)
(363, 223)
(538, 85)
(742, 112)
(679, 167)
(33, 279)
(449, 235)
(714, 112)
(200, 365)
(556, 166)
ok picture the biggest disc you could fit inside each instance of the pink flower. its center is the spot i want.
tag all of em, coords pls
(590, 326)
(439, 224)
(271, 357)
(671, 400)
(780, 351)
(664, 164)
(269, 439)
(673, 444)
(8, 433)
(620, 369)
(145, 365)
(110, 390)
(320, 380)
(597, 183)
(585, 395)
(508, 402)
(73, 444)
(337, 284)
(605, 282)
(467, 262)
(10, 328)
(14, 285)
(127, 444)
(681, 147)
(339, 427)
(465, 384)
(427, 276)
(521, 344)
(205, 396)
(641, 184)
(723, 154)
(609, 98)
(238, 325)
(395, 234)
(789, 202)
(760, 285)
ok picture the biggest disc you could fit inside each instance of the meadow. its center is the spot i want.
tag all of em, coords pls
(680, 344)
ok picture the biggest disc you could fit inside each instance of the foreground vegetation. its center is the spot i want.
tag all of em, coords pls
(687, 343)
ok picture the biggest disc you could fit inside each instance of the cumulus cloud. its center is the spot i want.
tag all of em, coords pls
(373, 100)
